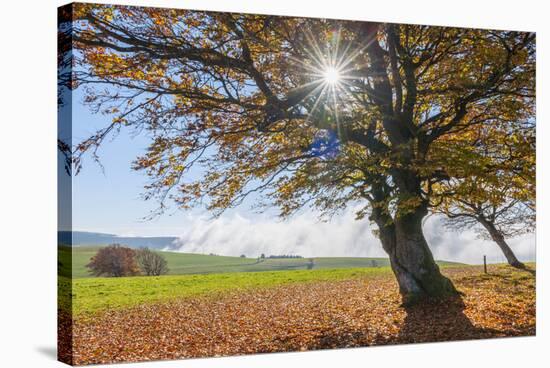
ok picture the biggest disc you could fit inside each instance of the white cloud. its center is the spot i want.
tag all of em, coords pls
(305, 235)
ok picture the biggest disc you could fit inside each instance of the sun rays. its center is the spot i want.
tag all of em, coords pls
(329, 71)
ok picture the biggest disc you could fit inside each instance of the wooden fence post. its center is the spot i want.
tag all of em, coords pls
(485, 263)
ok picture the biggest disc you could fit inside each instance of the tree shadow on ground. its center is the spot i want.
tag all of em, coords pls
(428, 321)
(441, 320)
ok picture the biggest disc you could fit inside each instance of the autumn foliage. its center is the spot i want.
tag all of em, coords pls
(114, 260)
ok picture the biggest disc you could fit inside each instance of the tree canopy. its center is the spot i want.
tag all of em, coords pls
(244, 89)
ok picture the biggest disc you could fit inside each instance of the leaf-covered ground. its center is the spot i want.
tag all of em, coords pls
(305, 316)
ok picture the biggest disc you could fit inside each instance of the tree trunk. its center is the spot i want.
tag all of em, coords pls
(504, 247)
(411, 260)
(413, 263)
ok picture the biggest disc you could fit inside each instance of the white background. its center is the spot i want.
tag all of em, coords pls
(28, 181)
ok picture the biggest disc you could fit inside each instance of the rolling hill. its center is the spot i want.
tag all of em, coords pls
(189, 263)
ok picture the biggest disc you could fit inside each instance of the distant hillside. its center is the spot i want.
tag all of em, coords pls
(83, 238)
(188, 263)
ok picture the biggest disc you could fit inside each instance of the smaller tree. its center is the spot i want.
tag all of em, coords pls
(500, 215)
(114, 260)
(497, 192)
(151, 263)
(243, 256)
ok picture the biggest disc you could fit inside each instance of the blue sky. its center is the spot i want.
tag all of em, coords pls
(108, 199)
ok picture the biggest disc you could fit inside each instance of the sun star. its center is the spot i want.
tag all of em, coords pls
(331, 75)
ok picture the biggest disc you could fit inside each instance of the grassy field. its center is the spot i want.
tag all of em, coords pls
(188, 263)
(102, 293)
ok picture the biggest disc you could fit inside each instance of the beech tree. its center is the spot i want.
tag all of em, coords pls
(304, 112)
(500, 217)
(500, 204)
